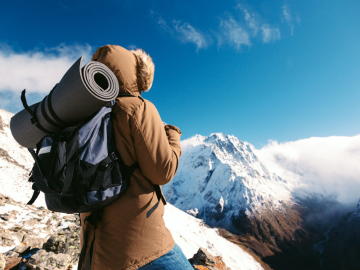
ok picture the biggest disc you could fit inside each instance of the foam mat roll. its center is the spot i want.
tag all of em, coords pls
(80, 93)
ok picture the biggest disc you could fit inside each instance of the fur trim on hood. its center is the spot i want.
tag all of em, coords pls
(145, 70)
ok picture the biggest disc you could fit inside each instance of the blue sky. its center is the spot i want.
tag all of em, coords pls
(260, 70)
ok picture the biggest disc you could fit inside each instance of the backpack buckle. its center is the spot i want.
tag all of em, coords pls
(113, 156)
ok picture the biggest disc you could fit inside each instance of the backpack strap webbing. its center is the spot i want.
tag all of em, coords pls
(159, 196)
(37, 162)
(35, 194)
(92, 219)
(100, 173)
(52, 112)
(33, 118)
(125, 94)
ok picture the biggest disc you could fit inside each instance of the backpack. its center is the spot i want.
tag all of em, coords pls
(80, 170)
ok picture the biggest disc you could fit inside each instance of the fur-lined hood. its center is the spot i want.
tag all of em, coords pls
(134, 69)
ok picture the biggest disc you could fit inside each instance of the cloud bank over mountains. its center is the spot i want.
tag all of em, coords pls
(331, 163)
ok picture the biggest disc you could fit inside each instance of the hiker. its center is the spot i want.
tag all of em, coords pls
(125, 237)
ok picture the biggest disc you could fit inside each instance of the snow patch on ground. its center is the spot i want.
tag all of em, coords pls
(191, 233)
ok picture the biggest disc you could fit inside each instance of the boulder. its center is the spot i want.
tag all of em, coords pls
(65, 241)
(49, 260)
(21, 248)
(203, 260)
(12, 262)
(6, 239)
(33, 241)
(31, 222)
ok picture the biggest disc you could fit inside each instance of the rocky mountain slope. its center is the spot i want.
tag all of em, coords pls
(24, 226)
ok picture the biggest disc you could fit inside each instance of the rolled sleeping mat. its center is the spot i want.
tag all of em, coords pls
(80, 93)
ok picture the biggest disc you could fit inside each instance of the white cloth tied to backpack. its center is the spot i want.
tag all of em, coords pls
(80, 93)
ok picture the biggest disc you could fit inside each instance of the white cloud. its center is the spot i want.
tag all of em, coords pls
(270, 34)
(37, 71)
(251, 22)
(331, 163)
(234, 33)
(188, 33)
(184, 32)
(163, 25)
(243, 31)
(288, 17)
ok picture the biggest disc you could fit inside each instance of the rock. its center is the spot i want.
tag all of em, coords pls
(11, 254)
(5, 217)
(12, 262)
(33, 241)
(5, 235)
(8, 200)
(70, 218)
(21, 248)
(48, 228)
(49, 260)
(65, 241)
(19, 232)
(18, 228)
(2, 261)
(8, 216)
(6, 239)
(203, 260)
(2, 198)
(31, 222)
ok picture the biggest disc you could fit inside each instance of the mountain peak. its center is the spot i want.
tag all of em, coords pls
(220, 178)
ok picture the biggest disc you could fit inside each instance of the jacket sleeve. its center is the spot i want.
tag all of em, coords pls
(157, 147)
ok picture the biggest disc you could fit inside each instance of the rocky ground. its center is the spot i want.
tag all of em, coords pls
(26, 228)
(35, 238)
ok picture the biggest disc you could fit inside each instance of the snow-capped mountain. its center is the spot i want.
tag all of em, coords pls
(221, 180)
(189, 232)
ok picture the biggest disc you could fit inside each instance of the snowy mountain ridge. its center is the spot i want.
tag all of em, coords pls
(220, 178)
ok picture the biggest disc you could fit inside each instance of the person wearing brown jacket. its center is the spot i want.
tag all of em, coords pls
(125, 237)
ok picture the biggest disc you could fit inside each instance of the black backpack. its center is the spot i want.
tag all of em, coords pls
(80, 170)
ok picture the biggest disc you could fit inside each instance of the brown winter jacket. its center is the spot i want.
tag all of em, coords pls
(125, 237)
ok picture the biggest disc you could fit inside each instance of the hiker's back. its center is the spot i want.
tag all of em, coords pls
(126, 238)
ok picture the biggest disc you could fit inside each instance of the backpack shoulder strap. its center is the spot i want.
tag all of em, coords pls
(125, 94)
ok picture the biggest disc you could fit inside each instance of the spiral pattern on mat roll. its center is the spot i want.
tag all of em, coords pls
(89, 72)
(80, 93)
